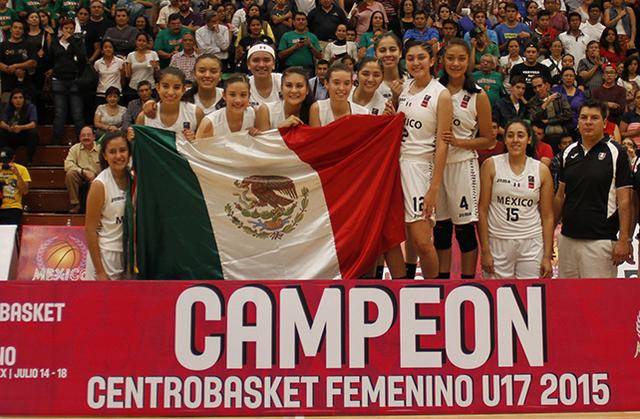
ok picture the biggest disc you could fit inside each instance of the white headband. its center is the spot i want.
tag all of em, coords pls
(261, 48)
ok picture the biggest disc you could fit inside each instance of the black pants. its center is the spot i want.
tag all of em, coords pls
(28, 139)
(10, 216)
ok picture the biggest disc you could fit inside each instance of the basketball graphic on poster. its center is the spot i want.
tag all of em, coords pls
(62, 255)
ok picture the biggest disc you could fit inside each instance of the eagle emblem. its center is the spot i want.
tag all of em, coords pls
(267, 207)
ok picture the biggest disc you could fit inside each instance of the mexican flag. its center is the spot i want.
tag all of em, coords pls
(303, 203)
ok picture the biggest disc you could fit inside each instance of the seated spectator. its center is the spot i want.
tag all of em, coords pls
(14, 181)
(318, 83)
(18, 125)
(530, 68)
(110, 116)
(531, 13)
(629, 78)
(110, 70)
(442, 14)
(8, 15)
(538, 146)
(299, 47)
(421, 32)
(214, 37)
(551, 111)
(568, 88)
(81, 166)
(488, 78)
(123, 35)
(186, 59)
(165, 12)
(498, 147)
(366, 39)
(407, 10)
(630, 121)
(142, 64)
(480, 46)
(281, 17)
(590, 67)
(512, 106)
(240, 16)
(632, 152)
(341, 47)
(188, 18)
(145, 92)
(610, 47)
(512, 28)
(255, 36)
(614, 95)
(142, 25)
(169, 40)
(265, 28)
(17, 58)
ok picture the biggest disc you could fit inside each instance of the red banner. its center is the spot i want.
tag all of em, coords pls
(318, 347)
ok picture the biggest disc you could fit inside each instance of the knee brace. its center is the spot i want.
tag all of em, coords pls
(466, 237)
(442, 235)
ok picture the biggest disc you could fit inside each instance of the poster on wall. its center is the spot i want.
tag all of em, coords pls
(221, 348)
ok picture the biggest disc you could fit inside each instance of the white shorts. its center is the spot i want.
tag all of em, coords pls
(113, 263)
(585, 258)
(416, 179)
(459, 194)
(516, 258)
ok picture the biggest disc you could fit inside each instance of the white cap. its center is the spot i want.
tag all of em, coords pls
(261, 48)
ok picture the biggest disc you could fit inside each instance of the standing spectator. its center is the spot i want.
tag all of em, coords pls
(630, 79)
(574, 40)
(421, 32)
(281, 18)
(590, 67)
(554, 59)
(512, 58)
(166, 12)
(40, 41)
(362, 13)
(169, 40)
(299, 47)
(613, 95)
(557, 19)
(81, 166)
(541, 150)
(18, 125)
(592, 27)
(622, 19)
(630, 122)
(185, 60)
(512, 106)
(17, 58)
(255, 36)
(366, 41)
(544, 33)
(68, 59)
(511, 28)
(240, 15)
(96, 28)
(555, 162)
(7, 16)
(123, 35)
(551, 110)
(340, 47)
(213, 38)
(407, 11)
(530, 68)
(142, 64)
(480, 46)
(145, 90)
(318, 83)
(593, 200)
(110, 71)
(142, 25)
(569, 89)
(265, 28)
(110, 116)
(488, 78)
(324, 21)
(610, 47)
(14, 181)
(480, 21)
(188, 17)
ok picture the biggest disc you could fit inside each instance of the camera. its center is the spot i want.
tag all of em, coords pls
(6, 155)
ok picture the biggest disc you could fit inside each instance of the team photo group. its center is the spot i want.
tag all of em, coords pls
(518, 116)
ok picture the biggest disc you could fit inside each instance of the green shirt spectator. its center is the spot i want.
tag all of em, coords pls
(169, 40)
(24, 7)
(67, 7)
(489, 79)
(299, 47)
(7, 16)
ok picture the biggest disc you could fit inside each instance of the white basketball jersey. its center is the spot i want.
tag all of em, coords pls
(187, 115)
(326, 113)
(465, 125)
(375, 105)
(255, 99)
(112, 215)
(212, 108)
(276, 113)
(421, 119)
(221, 125)
(513, 212)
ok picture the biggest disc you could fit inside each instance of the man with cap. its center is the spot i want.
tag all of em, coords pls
(14, 184)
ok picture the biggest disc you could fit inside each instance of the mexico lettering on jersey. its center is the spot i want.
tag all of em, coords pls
(513, 212)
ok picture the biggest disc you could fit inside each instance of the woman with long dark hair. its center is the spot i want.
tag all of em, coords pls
(39, 39)
(407, 10)
(378, 24)
(18, 124)
(610, 47)
(569, 89)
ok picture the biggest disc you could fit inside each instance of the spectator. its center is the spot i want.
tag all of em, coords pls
(512, 106)
(530, 68)
(630, 121)
(110, 71)
(582, 10)
(340, 47)
(134, 107)
(612, 130)
(407, 10)
(443, 14)
(188, 17)
(24, 7)
(481, 45)
(544, 33)
(18, 125)
(531, 13)
(142, 64)
(610, 47)
(511, 28)
(632, 152)
(299, 47)
(421, 32)
(68, 59)
(592, 27)
(255, 36)
(488, 78)
(45, 21)
(318, 89)
(551, 111)
(66, 8)
(613, 95)
(213, 38)
(362, 14)
(539, 147)
(593, 200)
(574, 40)
(142, 25)
(81, 166)
(240, 15)
(555, 162)
(590, 67)
(123, 35)
(568, 88)
(39, 39)
(629, 78)
(512, 58)
(14, 181)
(17, 58)
(7, 16)
(281, 18)
(169, 40)
(622, 18)
(96, 28)
(366, 39)
(166, 12)
(254, 11)
(557, 20)
(466, 22)
(110, 116)
(186, 59)
(480, 21)
(554, 60)
(324, 21)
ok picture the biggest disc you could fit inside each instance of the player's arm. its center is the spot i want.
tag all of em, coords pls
(262, 118)
(95, 201)
(546, 215)
(205, 129)
(487, 173)
(314, 115)
(444, 119)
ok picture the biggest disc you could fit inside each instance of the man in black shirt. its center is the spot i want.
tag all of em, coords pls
(529, 69)
(96, 27)
(324, 20)
(122, 35)
(17, 57)
(594, 200)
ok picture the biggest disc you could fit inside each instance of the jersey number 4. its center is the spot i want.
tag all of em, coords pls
(512, 214)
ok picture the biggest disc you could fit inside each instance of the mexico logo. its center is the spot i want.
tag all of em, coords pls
(267, 207)
(61, 259)
(638, 335)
